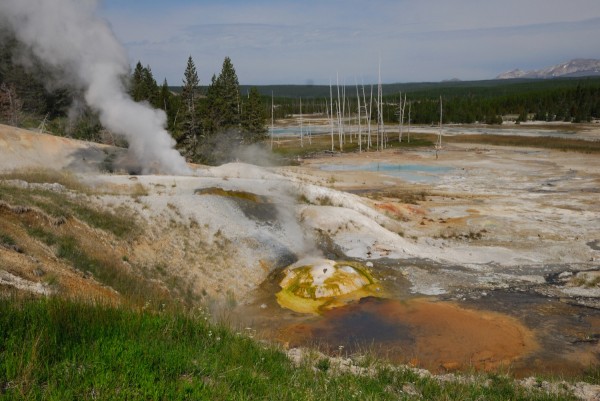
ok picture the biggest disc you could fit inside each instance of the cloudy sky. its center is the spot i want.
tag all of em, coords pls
(309, 41)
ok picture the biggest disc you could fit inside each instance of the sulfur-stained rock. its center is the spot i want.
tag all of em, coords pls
(312, 285)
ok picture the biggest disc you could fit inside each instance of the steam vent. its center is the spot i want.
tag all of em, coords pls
(314, 285)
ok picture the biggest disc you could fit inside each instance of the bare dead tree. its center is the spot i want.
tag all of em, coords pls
(359, 122)
(10, 104)
(343, 111)
(369, 114)
(401, 110)
(349, 119)
(331, 114)
(380, 126)
(339, 115)
(42, 126)
(301, 127)
(438, 145)
(408, 133)
(272, 119)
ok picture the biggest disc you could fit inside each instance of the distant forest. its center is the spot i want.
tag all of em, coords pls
(198, 112)
(561, 99)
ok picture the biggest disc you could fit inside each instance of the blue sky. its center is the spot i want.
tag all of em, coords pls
(309, 41)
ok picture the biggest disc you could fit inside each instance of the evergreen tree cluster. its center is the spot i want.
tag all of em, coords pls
(486, 102)
(206, 124)
(212, 124)
(22, 90)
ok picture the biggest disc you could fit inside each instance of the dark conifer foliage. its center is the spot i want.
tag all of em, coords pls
(188, 128)
(253, 118)
(223, 100)
(27, 85)
(143, 86)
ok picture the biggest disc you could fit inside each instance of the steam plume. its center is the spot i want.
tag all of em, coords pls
(69, 36)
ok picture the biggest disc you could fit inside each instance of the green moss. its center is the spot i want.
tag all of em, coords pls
(299, 292)
(232, 194)
(301, 284)
(7, 240)
(363, 270)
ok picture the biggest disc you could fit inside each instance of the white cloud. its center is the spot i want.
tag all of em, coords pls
(292, 42)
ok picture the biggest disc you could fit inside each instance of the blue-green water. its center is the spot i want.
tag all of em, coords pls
(295, 131)
(418, 173)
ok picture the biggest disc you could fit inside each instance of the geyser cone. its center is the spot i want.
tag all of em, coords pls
(312, 285)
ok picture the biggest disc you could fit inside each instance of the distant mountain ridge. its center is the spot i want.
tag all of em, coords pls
(575, 68)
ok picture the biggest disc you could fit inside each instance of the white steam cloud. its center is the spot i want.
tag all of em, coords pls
(69, 36)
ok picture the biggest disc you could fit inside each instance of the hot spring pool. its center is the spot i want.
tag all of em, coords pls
(418, 173)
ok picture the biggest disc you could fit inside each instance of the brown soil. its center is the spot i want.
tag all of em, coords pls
(35, 262)
(439, 336)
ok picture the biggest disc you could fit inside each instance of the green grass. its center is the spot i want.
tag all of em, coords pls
(290, 148)
(136, 289)
(107, 269)
(564, 144)
(7, 240)
(62, 350)
(42, 176)
(44, 235)
(59, 205)
(403, 195)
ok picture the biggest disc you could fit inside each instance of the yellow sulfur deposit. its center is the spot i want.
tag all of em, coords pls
(311, 286)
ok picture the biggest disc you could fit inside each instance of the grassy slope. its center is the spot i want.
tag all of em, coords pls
(60, 350)
(66, 233)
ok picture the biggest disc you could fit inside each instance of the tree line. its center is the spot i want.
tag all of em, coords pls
(487, 102)
(206, 123)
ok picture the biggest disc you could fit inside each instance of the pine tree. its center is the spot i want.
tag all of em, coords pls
(253, 119)
(223, 100)
(150, 87)
(143, 86)
(212, 114)
(229, 88)
(136, 89)
(169, 104)
(189, 122)
(189, 95)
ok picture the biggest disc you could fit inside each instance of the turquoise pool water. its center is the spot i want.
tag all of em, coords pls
(418, 173)
(295, 131)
